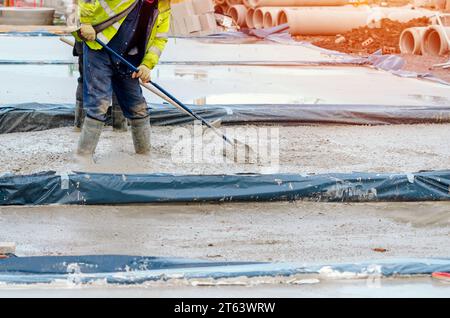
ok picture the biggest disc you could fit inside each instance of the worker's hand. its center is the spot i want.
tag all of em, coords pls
(87, 32)
(143, 73)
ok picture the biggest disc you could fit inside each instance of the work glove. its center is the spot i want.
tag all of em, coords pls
(143, 73)
(87, 32)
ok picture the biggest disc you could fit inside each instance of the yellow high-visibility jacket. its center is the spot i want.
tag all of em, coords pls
(95, 12)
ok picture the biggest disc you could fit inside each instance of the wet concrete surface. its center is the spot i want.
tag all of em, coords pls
(303, 232)
(301, 149)
(34, 49)
(237, 85)
(198, 82)
(385, 288)
(44, 48)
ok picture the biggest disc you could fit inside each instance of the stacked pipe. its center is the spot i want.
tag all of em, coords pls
(432, 40)
(311, 17)
(266, 13)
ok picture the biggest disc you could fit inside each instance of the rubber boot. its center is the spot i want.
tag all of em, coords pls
(90, 134)
(119, 122)
(79, 115)
(140, 131)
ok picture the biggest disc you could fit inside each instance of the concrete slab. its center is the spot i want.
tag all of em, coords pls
(218, 84)
(35, 49)
(302, 149)
(386, 288)
(303, 232)
(238, 85)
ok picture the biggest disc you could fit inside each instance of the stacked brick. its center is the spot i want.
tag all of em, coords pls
(193, 18)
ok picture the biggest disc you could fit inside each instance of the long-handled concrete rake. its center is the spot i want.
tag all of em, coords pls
(162, 93)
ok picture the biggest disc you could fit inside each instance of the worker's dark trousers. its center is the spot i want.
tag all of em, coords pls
(79, 112)
(118, 120)
(101, 78)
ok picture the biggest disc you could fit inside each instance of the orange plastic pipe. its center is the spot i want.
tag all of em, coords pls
(238, 13)
(311, 21)
(293, 3)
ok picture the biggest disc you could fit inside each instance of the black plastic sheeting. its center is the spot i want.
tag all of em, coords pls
(120, 269)
(36, 116)
(98, 188)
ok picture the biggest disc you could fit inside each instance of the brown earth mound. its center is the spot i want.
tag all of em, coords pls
(365, 40)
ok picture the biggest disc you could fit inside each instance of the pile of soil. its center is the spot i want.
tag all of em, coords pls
(386, 37)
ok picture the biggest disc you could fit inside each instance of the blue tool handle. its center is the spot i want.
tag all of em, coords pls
(120, 57)
(135, 69)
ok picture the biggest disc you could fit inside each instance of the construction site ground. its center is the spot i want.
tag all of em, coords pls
(381, 38)
(305, 232)
(241, 288)
(302, 232)
(304, 149)
(415, 63)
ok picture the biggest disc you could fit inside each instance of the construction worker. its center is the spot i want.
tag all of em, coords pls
(137, 30)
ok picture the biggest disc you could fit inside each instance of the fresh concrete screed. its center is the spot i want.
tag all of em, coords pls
(302, 149)
(304, 232)
(301, 231)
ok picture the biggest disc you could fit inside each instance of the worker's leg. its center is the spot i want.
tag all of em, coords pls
(119, 121)
(140, 131)
(79, 111)
(97, 90)
(129, 94)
